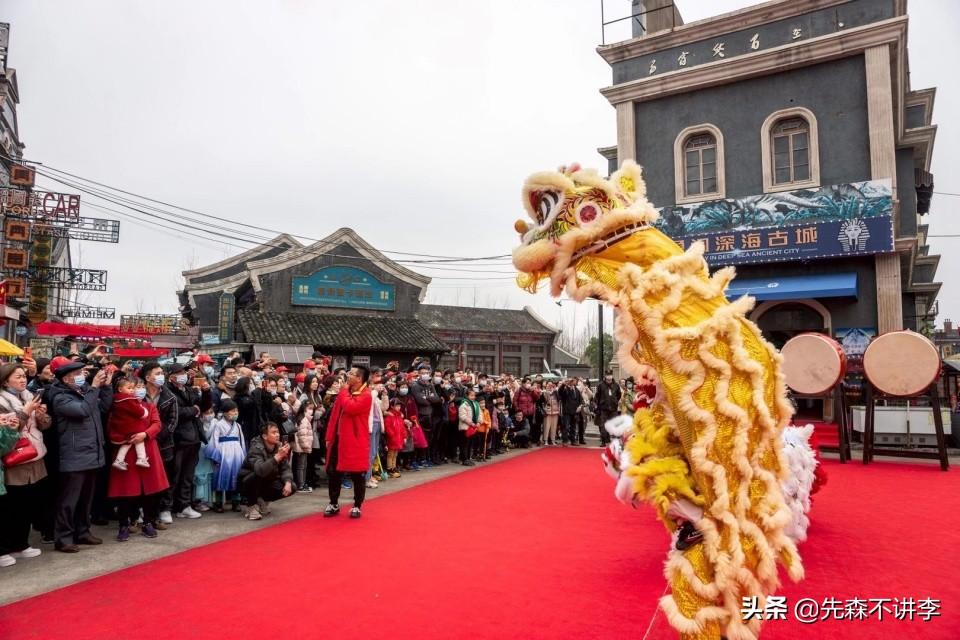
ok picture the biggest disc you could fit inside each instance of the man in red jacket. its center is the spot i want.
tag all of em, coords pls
(348, 440)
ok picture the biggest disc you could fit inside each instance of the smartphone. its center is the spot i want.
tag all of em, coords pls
(28, 353)
(198, 380)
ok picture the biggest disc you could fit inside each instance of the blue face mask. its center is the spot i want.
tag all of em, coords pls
(158, 380)
(141, 393)
(80, 380)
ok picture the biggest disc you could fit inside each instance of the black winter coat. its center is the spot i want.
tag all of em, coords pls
(189, 429)
(79, 425)
(570, 400)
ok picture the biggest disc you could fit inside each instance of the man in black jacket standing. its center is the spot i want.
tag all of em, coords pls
(425, 394)
(608, 403)
(570, 401)
(77, 409)
(187, 439)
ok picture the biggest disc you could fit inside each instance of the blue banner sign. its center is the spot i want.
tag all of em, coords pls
(843, 220)
(344, 287)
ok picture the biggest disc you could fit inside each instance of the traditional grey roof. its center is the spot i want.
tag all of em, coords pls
(338, 332)
(447, 318)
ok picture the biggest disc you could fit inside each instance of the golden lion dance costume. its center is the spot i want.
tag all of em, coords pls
(707, 440)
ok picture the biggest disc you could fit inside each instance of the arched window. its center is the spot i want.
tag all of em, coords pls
(790, 150)
(698, 164)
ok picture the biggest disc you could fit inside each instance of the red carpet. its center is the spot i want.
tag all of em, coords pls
(531, 548)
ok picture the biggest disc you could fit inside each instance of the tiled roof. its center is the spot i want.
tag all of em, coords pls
(337, 332)
(446, 318)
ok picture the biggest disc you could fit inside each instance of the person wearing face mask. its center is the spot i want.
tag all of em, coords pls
(425, 393)
(608, 404)
(77, 412)
(269, 398)
(187, 439)
(158, 395)
(227, 386)
(25, 482)
(525, 400)
(138, 487)
(227, 449)
(437, 434)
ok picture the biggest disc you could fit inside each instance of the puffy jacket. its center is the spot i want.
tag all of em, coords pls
(349, 430)
(260, 462)
(396, 431)
(303, 442)
(526, 400)
(78, 418)
(8, 439)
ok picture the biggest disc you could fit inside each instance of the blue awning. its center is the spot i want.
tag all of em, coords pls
(828, 285)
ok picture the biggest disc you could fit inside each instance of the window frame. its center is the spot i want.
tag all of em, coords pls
(767, 147)
(680, 165)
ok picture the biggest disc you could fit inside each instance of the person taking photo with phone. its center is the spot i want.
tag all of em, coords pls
(266, 475)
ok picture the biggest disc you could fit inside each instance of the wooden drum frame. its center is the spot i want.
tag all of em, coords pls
(903, 364)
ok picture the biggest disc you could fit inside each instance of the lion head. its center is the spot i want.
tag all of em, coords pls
(578, 217)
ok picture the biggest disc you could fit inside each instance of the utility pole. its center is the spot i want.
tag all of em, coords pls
(600, 368)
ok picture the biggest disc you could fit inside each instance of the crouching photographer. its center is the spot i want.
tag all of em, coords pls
(266, 475)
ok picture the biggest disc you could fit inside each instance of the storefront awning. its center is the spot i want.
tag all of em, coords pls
(828, 285)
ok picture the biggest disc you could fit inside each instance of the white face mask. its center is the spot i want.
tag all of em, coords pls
(182, 379)
(403, 392)
(141, 393)
(437, 380)
(208, 371)
(158, 379)
(425, 378)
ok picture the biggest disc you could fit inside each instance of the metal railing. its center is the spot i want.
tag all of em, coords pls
(637, 18)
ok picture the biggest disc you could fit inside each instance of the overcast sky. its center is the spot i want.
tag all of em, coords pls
(413, 123)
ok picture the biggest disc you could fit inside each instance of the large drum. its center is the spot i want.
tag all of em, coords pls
(901, 363)
(813, 364)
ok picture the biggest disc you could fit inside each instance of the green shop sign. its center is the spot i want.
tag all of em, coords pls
(344, 287)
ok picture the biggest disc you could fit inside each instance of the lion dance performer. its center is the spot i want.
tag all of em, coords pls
(705, 444)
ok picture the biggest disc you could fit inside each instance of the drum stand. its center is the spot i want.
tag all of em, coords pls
(870, 419)
(839, 413)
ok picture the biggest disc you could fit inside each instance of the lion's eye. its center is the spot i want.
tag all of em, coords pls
(548, 200)
(588, 213)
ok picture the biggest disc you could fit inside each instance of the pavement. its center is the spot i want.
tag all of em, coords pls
(53, 570)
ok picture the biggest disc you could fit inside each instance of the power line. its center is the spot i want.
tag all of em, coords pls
(221, 237)
(235, 222)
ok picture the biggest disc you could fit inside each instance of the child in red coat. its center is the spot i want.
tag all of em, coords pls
(396, 435)
(128, 417)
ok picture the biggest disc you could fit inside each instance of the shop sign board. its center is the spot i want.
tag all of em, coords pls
(170, 325)
(836, 221)
(343, 287)
(227, 311)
